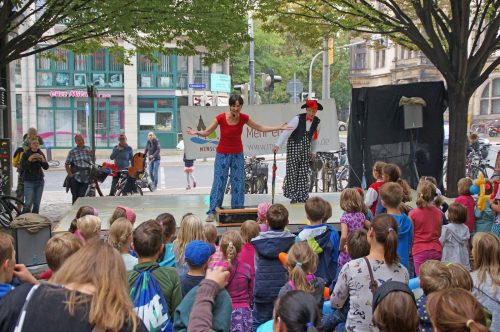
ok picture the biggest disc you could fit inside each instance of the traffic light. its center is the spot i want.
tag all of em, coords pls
(271, 78)
(243, 88)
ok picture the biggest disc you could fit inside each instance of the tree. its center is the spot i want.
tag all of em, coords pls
(459, 37)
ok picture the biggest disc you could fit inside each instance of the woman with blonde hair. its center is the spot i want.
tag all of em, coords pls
(486, 274)
(88, 293)
(191, 229)
(120, 237)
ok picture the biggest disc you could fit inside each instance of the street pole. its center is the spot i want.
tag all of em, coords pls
(310, 74)
(91, 91)
(251, 62)
(325, 91)
(294, 88)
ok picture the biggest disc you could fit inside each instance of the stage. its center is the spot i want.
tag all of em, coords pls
(149, 206)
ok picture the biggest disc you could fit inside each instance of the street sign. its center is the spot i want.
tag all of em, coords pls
(294, 86)
(197, 85)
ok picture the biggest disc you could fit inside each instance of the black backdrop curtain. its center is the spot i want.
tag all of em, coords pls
(376, 131)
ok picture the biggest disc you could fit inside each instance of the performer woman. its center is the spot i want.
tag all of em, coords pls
(230, 153)
(301, 147)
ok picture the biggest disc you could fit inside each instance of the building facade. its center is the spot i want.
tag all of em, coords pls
(134, 98)
(381, 62)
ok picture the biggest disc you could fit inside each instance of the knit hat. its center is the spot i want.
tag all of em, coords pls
(129, 213)
(262, 210)
(389, 287)
(198, 252)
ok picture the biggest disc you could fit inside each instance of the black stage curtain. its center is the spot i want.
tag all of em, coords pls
(376, 131)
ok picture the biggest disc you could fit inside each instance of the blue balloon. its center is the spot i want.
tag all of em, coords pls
(474, 190)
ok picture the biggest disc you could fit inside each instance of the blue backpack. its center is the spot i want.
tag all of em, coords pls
(149, 302)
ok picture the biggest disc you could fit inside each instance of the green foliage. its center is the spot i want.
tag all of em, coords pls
(215, 28)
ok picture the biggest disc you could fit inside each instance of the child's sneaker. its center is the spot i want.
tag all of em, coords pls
(188, 187)
(194, 184)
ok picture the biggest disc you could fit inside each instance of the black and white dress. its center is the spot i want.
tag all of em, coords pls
(301, 142)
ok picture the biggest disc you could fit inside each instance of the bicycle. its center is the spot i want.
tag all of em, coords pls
(97, 173)
(122, 182)
(10, 207)
(256, 176)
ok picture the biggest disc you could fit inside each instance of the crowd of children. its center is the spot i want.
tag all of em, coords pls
(160, 278)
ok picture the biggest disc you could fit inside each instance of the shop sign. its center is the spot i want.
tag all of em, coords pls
(75, 94)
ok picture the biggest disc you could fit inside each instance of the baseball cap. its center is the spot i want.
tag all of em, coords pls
(198, 252)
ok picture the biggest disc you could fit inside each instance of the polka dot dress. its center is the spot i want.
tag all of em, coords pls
(296, 183)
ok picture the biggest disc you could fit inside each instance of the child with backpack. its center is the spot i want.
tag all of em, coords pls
(322, 238)
(155, 290)
(270, 275)
(301, 264)
(196, 256)
(240, 282)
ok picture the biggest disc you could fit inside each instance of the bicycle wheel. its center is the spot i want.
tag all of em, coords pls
(11, 204)
(343, 179)
(476, 170)
(139, 189)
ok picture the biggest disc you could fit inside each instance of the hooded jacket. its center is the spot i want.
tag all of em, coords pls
(455, 239)
(270, 275)
(405, 238)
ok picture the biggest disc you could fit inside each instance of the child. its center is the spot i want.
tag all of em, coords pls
(191, 229)
(484, 219)
(466, 200)
(249, 230)
(301, 265)
(270, 274)
(89, 227)
(353, 219)
(388, 316)
(455, 236)
(296, 311)
(189, 170)
(122, 212)
(372, 193)
(460, 277)
(438, 200)
(456, 309)
(196, 256)
(322, 238)
(8, 267)
(261, 216)
(366, 210)
(148, 244)
(240, 282)
(495, 206)
(391, 195)
(58, 249)
(82, 211)
(357, 247)
(427, 221)
(486, 274)
(210, 232)
(392, 173)
(168, 225)
(120, 237)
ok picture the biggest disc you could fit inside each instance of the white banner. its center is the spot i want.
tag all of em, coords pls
(255, 142)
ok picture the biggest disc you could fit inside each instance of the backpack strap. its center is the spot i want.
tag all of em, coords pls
(373, 284)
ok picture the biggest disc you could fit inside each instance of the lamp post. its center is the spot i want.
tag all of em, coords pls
(92, 92)
(310, 73)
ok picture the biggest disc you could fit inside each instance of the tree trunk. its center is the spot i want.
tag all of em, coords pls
(458, 103)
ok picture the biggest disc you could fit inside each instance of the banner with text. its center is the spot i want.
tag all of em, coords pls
(255, 142)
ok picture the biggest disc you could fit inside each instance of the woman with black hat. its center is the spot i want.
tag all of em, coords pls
(301, 147)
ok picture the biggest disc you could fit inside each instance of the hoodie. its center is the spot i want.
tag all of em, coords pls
(5, 289)
(270, 274)
(455, 239)
(405, 238)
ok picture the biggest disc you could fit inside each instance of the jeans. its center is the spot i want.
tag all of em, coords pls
(33, 195)
(154, 165)
(223, 163)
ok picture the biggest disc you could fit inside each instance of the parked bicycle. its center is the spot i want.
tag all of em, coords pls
(329, 171)
(97, 175)
(256, 176)
(128, 185)
(10, 207)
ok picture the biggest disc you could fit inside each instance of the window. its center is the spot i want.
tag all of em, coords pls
(182, 72)
(359, 56)
(380, 54)
(156, 114)
(158, 73)
(490, 98)
(201, 72)
(17, 73)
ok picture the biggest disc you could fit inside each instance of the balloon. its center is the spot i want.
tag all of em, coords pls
(474, 189)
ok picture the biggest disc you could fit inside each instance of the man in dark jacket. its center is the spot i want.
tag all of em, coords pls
(152, 151)
(122, 155)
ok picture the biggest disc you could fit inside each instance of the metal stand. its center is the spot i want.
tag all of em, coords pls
(413, 160)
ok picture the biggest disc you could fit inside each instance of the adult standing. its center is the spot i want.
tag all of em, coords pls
(301, 147)
(152, 151)
(78, 167)
(32, 164)
(229, 154)
(122, 154)
(359, 278)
